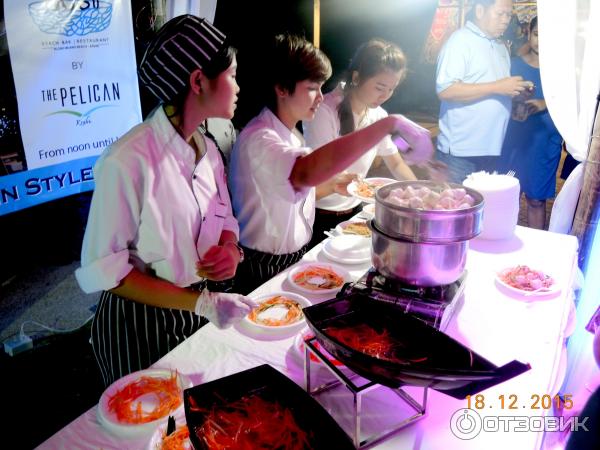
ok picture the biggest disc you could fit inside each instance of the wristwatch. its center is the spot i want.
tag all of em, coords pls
(239, 249)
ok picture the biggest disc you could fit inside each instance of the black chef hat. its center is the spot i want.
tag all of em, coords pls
(182, 45)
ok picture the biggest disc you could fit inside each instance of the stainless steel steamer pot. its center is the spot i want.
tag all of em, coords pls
(417, 225)
(417, 263)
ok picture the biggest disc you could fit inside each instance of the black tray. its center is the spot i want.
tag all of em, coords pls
(448, 367)
(269, 384)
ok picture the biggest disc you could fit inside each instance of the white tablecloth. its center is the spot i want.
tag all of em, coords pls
(493, 322)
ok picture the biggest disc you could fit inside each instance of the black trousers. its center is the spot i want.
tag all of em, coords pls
(259, 267)
(128, 336)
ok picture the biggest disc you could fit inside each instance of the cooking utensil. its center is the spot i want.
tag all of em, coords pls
(170, 425)
(417, 263)
(421, 225)
(408, 352)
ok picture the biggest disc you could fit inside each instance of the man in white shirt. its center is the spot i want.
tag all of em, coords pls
(474, 85)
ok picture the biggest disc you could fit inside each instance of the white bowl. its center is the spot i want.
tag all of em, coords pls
(315, 289)
(109, 420)
(350, 246)
(348, 249)
(282, 330)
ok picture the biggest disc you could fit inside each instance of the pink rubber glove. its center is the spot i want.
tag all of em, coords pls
(223, 310)
(412, 140)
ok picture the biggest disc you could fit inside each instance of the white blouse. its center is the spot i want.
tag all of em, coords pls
(274, 217)
(153, 207)
(325, 127)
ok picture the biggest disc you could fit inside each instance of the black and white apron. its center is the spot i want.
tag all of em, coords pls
(259, 267)
(128, 336)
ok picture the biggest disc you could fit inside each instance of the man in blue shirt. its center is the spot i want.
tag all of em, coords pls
(474, 85)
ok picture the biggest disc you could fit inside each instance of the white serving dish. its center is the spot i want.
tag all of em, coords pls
(108, 419)
(315, 289)
(281, 331)
(348, 249)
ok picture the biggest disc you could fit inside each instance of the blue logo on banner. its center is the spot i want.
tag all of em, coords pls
(71, 17)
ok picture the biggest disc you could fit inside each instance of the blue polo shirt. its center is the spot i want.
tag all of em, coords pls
(474, 128)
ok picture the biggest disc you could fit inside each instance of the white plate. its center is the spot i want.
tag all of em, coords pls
(283, 330)
(109, 420)
(317, 290)
(353, 187)
(550, 291)
(341, 226)
(348, 249)
(345, 260)
(156, 439)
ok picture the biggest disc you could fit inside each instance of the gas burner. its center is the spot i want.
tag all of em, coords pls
(433, 305)
(444, 292)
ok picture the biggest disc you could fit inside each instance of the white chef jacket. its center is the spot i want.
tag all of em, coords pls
(325, 127)
(273, 217)
(153, 207)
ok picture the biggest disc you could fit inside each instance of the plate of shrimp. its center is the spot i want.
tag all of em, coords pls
(526, 281)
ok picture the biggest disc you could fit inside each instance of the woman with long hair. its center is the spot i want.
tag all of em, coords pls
(376, 70)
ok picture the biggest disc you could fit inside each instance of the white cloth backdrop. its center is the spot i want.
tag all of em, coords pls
(570, 69)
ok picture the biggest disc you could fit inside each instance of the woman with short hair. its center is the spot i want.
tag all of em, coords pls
(273, 173)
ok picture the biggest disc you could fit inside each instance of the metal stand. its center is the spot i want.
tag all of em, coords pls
(357, 392)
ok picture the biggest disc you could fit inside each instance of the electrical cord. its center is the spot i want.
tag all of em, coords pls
(54, 330)
(13, 345)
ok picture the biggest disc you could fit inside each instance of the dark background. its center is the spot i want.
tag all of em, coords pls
(345, 24)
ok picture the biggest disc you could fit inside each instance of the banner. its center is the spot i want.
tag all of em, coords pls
(74, 69)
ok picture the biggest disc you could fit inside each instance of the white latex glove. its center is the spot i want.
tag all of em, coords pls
(222, 309)
(420, 148)
(341, 182)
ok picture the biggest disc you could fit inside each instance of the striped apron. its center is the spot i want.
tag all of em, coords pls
(128, 336)
(259, 267)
